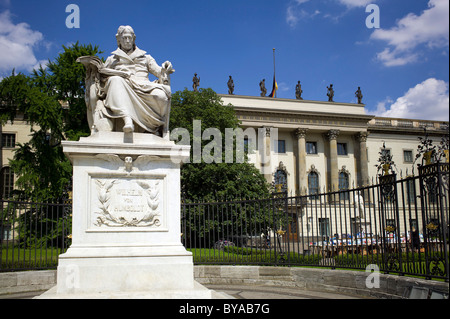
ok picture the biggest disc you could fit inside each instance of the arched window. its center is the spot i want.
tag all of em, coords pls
(343, 185)
(280, 179)
(6, 182)
(313, 184)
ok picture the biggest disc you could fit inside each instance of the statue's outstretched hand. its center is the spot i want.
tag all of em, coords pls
(168, 68)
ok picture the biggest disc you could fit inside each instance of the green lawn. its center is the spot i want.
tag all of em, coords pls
(39, 258)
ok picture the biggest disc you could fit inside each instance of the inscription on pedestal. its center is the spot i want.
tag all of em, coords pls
(127, 203)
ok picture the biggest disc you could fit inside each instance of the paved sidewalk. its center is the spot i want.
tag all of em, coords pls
(241, 292)
(272, 292)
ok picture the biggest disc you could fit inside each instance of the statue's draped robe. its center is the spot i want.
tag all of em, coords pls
(132, 97)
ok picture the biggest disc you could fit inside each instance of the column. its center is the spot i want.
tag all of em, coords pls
(300, 134)
(334, 171)
(363, 160)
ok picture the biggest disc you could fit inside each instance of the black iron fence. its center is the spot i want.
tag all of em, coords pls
(400, 226)
(33, 234)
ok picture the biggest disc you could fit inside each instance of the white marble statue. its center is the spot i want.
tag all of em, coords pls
(120, 89)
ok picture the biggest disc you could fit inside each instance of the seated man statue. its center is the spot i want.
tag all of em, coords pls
(120, 89)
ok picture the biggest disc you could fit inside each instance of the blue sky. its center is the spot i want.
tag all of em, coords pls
(402, 67)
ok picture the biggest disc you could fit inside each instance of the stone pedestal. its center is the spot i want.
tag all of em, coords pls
(126, 236)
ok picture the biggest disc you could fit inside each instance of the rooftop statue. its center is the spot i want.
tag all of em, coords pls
(195, 82)
(262, 86)
(359, 95)
(120, 89)
(230, 86)
(298, 91)
(330, 93)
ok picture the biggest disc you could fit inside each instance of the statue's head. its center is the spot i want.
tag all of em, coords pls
(126, 38)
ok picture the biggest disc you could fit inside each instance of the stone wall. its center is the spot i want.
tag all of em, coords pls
(315, 279)
(27, 281)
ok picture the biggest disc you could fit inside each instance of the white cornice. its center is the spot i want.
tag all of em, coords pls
(292, 106)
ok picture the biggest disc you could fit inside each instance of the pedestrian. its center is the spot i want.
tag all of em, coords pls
(415, 239)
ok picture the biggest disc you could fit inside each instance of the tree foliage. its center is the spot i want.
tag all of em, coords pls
(213, 180)
(51, 100)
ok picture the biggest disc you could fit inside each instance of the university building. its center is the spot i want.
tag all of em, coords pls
(315, 147)
(327, 146)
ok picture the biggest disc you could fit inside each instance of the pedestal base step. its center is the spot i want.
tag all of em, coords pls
(199, 292)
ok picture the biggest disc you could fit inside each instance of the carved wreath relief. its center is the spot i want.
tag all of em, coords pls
(128, 203)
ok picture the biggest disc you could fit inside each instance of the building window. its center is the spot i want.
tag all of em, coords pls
(6, 182)
(249, 145)
(5, 232)
(280, 180)
(324, 227)
(411, 191)
(281, 146)
(313, 184)
(408, 156)
(342, 148)
(343, 186)
(8, 140)
(246, 145)
(311, 148)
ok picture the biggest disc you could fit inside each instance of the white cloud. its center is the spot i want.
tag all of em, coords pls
(294, 13)
(428, 100)
(17, 42)
(283, 87)
(292, 16)
(391, 58)
(381, 106)
(356, 3)
(431, 28)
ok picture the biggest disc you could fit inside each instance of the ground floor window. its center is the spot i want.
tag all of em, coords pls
(6, 182)
(324, 227)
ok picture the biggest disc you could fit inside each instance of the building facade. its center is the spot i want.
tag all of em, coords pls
(311, 147)
(327, 146)
(11, 135)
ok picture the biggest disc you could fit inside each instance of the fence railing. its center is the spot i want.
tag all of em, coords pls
(33, 234)
(401, 226)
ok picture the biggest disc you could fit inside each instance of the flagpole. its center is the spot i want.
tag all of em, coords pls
(274, 69)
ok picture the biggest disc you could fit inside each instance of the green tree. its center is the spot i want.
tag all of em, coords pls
(207, 182)
(213, 180)
(52, 102)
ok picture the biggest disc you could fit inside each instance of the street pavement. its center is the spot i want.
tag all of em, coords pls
(272, 292)
(246, 292)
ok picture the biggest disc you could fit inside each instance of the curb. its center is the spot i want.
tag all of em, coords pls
(325, 280)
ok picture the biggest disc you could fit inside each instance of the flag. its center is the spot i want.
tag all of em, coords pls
(275, 87)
